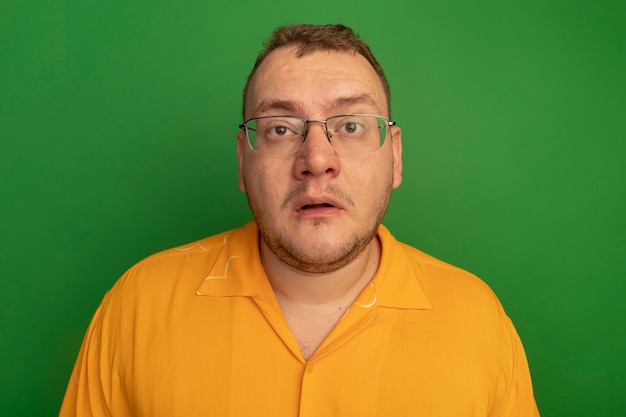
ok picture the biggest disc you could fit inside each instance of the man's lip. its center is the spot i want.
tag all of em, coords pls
(310, 202)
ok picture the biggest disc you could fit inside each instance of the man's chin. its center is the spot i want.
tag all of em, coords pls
(310, 259)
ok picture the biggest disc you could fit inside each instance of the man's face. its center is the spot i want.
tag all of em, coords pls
(316, 209)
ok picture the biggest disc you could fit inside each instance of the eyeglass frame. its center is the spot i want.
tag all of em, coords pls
(244, 126)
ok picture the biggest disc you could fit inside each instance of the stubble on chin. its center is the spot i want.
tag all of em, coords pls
(295, 255)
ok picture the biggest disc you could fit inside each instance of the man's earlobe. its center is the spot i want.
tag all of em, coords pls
(396, 137)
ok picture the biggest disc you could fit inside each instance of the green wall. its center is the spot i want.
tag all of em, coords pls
(117, 128)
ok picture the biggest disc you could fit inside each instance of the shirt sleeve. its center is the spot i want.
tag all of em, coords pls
(94, 389)
(518, 399)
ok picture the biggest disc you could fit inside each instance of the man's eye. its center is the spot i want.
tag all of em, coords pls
(351, 128)
(279, 131)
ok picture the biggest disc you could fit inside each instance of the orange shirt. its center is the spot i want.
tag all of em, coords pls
(197, 331)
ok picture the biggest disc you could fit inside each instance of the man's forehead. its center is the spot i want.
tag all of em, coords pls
(286, 81)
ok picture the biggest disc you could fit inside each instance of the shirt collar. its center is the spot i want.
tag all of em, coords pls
(397, 282)
(237, 271)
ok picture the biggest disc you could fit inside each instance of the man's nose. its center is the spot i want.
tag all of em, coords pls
(316, 155)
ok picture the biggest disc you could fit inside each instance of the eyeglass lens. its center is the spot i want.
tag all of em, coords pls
(346, 133)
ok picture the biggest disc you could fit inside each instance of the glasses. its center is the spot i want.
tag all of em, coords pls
(347, 133)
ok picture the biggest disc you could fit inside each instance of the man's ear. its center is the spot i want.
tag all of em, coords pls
(241, 143)
(396, 143)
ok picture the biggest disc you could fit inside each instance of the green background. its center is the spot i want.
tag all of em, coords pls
(117, 129)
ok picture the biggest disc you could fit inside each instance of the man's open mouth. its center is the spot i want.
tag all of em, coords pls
(314, 206)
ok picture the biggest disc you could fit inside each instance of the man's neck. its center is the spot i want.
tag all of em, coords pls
(313, 303)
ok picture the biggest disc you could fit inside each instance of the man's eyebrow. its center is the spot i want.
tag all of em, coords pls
(343, 102)
(288, 106)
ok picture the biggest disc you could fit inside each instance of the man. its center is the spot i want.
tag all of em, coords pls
(314, 309)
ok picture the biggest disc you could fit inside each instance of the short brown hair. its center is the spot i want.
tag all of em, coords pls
(311, 38)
